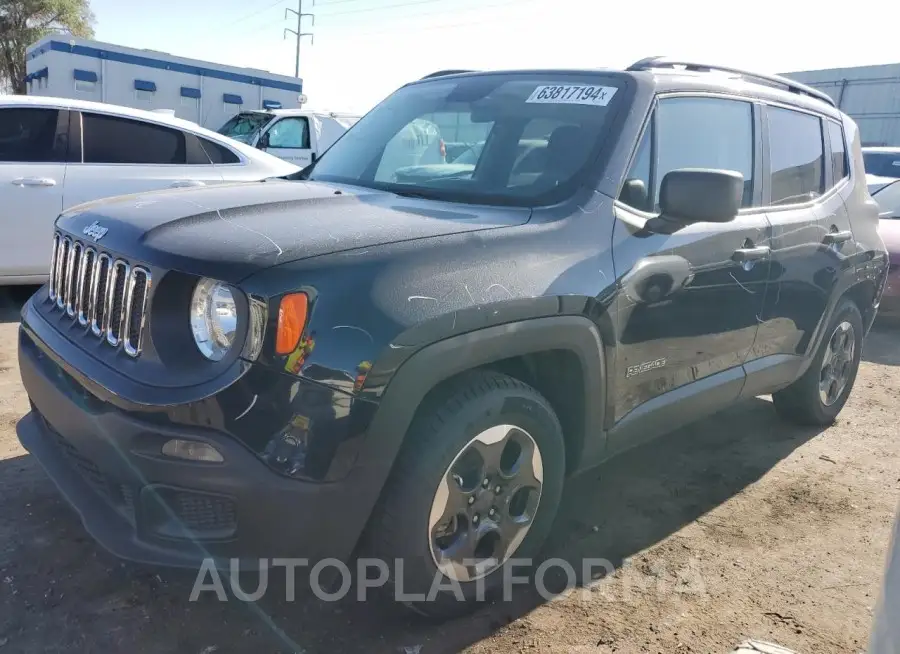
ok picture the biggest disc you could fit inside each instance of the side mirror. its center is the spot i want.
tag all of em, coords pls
(263, 142)
(697, 195)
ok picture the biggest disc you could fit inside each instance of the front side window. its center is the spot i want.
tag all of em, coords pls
(29, 135)
(704, 133)
(839, 163)
(289, 133)
(796, 156)
(518, 139)
(244, 127)
(114, 140)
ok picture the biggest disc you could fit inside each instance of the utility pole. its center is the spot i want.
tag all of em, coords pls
(299, 33)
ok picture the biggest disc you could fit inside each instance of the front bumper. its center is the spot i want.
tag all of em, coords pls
(149, 508)
(890, 298)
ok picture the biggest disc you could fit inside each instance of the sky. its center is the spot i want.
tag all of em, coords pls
(364, 49)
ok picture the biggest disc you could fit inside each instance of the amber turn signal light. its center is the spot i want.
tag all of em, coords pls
(291, 321)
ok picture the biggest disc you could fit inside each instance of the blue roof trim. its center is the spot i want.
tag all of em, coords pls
(188, 92)
(271, 104)
(149, 62)
(231, 98)
(144, 85)
(84, 75)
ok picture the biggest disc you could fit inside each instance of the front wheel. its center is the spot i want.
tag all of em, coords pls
(820, 394)
(478, 483)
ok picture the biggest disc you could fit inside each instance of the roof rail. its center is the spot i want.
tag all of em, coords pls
(775, 80)
(441, 73)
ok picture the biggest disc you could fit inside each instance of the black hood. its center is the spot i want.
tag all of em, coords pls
(231, 231)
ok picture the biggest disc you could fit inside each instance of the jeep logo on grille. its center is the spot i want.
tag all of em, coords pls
(95, 231)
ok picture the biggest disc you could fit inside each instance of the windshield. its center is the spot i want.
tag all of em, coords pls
(520, 139)
(244, 127)
(888, 199)
(883, 164)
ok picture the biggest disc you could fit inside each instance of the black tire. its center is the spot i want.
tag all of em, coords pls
(801, 403)
(442, 429)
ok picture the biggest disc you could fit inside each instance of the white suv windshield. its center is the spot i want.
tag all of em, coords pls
(518, 138)
(244, 127)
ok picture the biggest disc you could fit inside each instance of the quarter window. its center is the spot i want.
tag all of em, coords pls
(705, 133)
(30, 136)
(636, 190)
(113, 140)
(839, 161)
(796, 156)
(218, 154)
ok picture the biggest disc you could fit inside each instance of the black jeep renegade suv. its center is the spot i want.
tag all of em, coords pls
(492, 281)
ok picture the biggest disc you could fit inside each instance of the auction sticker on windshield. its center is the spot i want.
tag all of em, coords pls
(573, 94)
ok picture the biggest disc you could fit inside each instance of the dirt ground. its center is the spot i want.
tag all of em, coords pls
(735, 527)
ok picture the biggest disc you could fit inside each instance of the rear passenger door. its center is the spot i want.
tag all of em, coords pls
(33, 145)
(688, 310)
(121, 156)
(810, 229)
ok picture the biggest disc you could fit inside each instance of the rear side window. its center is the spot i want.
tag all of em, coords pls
(113, 140)
(796, 156)
(29, 136)
(839, 163)
(218, 154)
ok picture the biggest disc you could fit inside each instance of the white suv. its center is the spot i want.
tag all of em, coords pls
(56, 153)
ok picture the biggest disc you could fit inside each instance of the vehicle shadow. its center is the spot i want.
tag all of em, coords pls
(612, 513)
(882, 344)
(12, 298)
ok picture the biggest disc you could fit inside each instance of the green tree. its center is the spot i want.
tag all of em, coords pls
(22, 22)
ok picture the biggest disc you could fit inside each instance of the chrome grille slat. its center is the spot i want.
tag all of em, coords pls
(72, 268)
(53, 267)
(61, 265)
(103, 293)
(136, 310)
(115, 316)
(98, 293)
(83, 298)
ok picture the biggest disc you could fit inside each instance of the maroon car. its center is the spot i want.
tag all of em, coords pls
(888, 199)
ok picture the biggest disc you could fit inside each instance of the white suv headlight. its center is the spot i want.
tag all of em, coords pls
(213, 318)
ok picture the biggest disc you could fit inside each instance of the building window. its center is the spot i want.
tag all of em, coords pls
(144, 90)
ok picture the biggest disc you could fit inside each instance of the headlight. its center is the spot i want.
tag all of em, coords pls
(213, 318)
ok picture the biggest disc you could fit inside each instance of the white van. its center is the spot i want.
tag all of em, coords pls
(295, 135)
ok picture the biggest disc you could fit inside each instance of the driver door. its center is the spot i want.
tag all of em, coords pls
(289, 139)
(690, 303)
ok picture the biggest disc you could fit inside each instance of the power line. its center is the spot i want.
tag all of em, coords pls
(505, 3)
(382, 7)
(428, 27)
(258, 11)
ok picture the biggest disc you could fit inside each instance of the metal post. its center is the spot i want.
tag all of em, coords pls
(298, 34)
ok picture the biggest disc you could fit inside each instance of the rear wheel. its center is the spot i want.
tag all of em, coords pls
(820, 394)
(478, 483)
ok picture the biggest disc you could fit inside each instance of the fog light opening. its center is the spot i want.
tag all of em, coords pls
(192, 451)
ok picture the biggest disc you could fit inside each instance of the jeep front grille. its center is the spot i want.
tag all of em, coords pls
(101, 292)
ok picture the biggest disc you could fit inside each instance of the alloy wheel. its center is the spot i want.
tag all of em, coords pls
(485, 503)
(837, 364)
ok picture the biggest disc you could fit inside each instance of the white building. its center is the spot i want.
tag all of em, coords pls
(63, 66)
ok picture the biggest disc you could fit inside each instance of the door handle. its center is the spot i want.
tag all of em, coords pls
(751, 254)
(34, 181)
(186, 183)
(838, 237)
